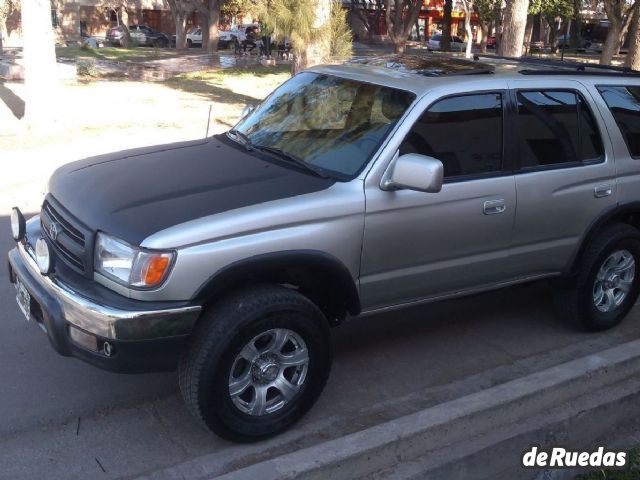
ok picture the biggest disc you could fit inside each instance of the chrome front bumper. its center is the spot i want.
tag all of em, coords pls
(140, 323)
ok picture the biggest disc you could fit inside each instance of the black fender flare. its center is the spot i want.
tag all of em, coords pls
(608, 216)
(287, 267)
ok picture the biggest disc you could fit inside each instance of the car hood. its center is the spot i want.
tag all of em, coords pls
(136, 193)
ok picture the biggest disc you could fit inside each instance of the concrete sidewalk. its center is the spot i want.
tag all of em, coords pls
(475, 436)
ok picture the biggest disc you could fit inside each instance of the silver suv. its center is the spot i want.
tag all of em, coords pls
(350, 190)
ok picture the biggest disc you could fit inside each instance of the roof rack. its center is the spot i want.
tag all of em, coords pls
(564, 67)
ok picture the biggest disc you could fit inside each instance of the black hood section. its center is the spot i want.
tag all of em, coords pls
(136, 193)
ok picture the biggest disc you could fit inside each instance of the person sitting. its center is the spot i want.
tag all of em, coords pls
(250, 40)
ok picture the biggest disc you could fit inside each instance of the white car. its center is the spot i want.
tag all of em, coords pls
(194, 38)
(239, 31)
(457, 44)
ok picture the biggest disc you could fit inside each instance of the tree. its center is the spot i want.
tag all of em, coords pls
(401, 15)
(467, 6)
(304, 23)
(40, 67)
(180, 10)
(515, 22)
(210, 12)
(633, 57)
(7, 7)
(119, 8)
(486, 14)
(445, 42)
(369, 12)
(619, 16)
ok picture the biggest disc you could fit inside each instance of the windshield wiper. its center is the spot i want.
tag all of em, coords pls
(290, 158)
(244, 138)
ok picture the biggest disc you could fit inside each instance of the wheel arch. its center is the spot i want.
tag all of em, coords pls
(628, 213)
(321, 277)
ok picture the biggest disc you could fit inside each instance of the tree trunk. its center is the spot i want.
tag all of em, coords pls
(3, 29)
(498, 25)
(125, 41)
(484, 28)
(528, 34)
(417, 30)
(515, 22)
(612, 43)
(181, 31)
(633, 57)
(468, 8)
(40, 68)
(445, 42)
(204, 22)
(213, 27)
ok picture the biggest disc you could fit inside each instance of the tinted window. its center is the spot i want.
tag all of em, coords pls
(437, 38)
(464, 133)
(624, 103)
(556, 127)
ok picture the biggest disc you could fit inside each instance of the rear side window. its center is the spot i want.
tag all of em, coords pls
(556, 127)
(463, 132)
(624, 103)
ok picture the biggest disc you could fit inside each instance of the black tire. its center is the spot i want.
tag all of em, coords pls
(228, 326)
(576, 303)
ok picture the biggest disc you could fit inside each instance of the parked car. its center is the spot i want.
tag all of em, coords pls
(239, 32)
(194, 38)
(491, 41)
(564, 41)
(230, 257)
(457, 44)
(140, 35)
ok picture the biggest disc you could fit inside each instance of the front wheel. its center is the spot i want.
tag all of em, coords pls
(607, 282)
(257, 362)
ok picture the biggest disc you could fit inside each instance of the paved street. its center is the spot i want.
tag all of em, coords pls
(64, 419)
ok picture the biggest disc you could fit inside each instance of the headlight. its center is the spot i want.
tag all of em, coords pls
(129, 265)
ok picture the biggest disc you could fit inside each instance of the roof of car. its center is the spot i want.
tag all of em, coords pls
(418, 73)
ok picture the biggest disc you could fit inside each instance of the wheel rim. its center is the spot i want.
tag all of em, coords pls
(614, 281)
(268, 372)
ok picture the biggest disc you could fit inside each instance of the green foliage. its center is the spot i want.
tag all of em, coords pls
(236, 7)
(339, 32)
(487, 8)
(551, 8)
(296, 20)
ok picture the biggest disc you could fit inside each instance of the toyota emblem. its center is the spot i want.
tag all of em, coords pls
(54, 231)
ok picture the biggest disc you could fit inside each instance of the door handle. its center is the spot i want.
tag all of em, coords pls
(494, 207)
(602, 191)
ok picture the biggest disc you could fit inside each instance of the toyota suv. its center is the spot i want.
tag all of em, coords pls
(351, 190)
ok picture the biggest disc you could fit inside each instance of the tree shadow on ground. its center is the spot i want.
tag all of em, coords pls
(12, 101)
(210, 92)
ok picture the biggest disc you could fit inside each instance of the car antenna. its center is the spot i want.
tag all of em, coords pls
(208, 121)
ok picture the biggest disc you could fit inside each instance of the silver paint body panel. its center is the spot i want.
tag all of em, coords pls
(403, 247)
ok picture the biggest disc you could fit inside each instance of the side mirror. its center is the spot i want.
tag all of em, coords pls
(248, 108)
(414, 172)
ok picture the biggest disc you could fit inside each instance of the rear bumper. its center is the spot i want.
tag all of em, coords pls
(132, 337)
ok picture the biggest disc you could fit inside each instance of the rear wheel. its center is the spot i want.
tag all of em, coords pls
(607, 282)
(257, 362)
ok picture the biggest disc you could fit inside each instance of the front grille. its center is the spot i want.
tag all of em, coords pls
(68, 239)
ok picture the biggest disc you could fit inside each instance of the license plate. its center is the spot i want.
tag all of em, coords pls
(23, 297)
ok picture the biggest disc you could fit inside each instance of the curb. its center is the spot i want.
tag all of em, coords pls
(410, 437)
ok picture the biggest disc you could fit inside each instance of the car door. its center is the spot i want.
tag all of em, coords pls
(422, 245)
(136, 35)
(565, 176)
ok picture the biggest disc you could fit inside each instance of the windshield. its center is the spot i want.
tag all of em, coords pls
(331, 124)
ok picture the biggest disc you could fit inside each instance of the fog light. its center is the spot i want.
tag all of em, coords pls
(43, 256)
(18, 226)
(83, 339)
